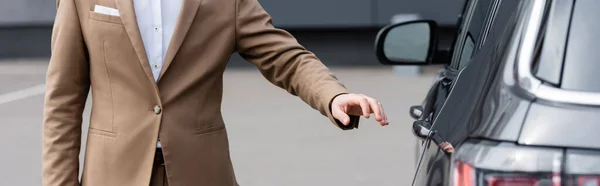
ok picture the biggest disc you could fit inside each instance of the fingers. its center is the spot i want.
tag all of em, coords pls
(340, 114)
(365, 106)
(376, 109)
(369, 105)
(447, 147)
(383, 112)
(358, 104)
(444, 146)
(383, 115)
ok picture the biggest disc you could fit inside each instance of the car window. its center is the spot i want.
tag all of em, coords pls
(467, 51)
(581, 66)
(548, 63)
(475, 28)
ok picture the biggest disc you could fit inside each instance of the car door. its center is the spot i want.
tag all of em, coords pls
(481, 41)
(440, 87)
(472, 28)
(478, 15)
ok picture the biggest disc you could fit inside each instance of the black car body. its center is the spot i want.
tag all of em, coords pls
(518, 99)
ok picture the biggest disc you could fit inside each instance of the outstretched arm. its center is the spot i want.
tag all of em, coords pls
(287, 64)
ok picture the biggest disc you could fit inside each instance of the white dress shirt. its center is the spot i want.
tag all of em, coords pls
(156, 20)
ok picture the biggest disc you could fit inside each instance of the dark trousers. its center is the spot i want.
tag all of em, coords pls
(159, 174)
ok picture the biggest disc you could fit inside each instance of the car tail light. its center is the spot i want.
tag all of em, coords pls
(515, 181)
(465, 175)
(488, 163)
(583, 180)
(588, 181)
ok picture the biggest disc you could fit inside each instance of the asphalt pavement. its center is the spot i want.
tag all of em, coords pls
(275, 138)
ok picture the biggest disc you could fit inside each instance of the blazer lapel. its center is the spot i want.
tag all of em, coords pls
(127, 13)
(184, 21)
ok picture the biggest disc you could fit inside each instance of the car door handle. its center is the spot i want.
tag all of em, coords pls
(446, 82)
(423, 133)
(420, 131)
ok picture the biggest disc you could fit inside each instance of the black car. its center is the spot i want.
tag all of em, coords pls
(518, 102)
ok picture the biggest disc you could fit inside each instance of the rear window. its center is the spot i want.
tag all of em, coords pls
(581, 70)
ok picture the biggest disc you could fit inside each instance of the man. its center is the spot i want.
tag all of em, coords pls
(155, 72)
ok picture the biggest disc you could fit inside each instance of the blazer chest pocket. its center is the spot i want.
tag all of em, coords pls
(106, 27)
(95, 16)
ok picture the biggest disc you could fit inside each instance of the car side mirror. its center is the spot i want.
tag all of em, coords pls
(407, 43)
(416, 112)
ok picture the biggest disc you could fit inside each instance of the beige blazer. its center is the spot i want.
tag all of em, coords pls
(104, 54)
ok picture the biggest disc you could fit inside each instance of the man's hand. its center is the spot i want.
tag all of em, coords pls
(356, 105)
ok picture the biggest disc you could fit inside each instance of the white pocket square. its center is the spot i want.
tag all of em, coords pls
(106, 10)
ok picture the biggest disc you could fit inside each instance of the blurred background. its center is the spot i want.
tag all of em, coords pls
(275, 138)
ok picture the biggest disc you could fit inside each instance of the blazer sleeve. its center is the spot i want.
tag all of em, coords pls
(284, 62)
(67, 86)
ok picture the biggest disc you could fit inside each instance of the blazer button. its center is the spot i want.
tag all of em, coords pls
(157, 109)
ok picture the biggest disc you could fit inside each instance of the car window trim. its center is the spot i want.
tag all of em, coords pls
(490, 21)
